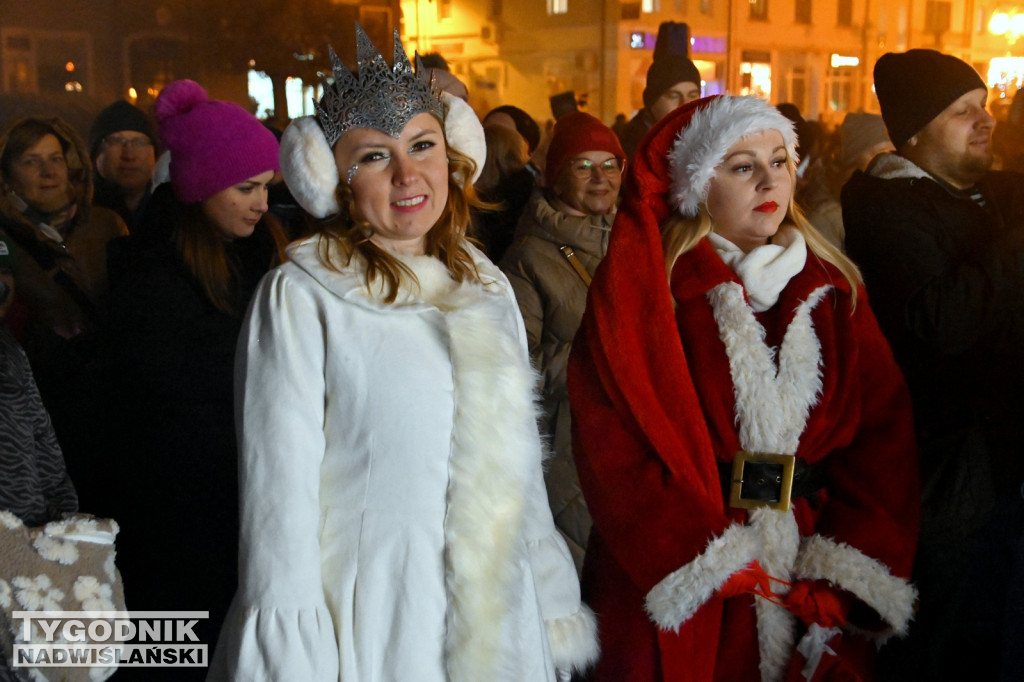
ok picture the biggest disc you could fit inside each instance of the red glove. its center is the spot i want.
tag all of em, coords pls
(751, 579)
(817, 601)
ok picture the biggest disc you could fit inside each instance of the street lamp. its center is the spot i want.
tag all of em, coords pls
(1010, 24)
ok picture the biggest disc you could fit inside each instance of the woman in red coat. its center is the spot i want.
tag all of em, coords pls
(742, 433)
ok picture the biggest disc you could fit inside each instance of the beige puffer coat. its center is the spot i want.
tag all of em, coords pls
(551, 297)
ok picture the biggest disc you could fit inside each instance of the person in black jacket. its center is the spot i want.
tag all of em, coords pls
(180, 286)
(939, 238)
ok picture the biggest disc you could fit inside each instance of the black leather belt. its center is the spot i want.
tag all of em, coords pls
(754, 480)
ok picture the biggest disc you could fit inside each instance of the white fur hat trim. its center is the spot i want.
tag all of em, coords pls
(702, 145)
(311, 173)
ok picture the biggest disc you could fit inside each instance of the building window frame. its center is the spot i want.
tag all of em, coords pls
(803, 12)
(759, 10)
(844, 13)
(35, 61)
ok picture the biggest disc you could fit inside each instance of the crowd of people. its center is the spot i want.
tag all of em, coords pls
(402, 392)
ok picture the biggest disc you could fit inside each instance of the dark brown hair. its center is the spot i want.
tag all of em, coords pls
(202, 250)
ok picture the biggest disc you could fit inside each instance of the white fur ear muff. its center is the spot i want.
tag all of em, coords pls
(464, 132)
(308, 166)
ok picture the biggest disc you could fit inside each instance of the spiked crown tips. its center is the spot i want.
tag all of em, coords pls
(377, 96)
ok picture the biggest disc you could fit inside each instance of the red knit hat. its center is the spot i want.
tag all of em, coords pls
(213, 144)
(574, 134)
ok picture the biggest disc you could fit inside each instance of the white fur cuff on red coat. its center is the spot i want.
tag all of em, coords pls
(675, 599)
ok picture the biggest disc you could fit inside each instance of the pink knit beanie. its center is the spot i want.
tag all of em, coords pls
(213, 144)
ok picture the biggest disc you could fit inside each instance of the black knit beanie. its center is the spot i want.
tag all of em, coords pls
(915, 86)
(666, 71)
(120, 115)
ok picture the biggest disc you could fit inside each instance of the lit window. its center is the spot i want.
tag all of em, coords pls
(650, 6)
(558, 7)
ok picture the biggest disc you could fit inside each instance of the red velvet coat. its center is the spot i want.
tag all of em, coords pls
(655, 404)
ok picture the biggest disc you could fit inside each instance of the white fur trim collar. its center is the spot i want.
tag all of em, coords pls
(706, 139)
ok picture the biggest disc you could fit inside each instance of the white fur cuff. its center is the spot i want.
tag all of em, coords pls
(822, 558)
(675, 599)
(573, 640)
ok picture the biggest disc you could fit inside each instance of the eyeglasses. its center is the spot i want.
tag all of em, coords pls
(584, 168)
(133, 142)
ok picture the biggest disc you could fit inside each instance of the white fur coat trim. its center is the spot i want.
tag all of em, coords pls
(770, 537)
(675, 599)
(892, 166)
(706, 139)
(492, 440)
(823, 558)
(772, 402)
(573, 639)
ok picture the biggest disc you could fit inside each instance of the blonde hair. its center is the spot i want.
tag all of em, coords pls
(680, 234)
(345, 236)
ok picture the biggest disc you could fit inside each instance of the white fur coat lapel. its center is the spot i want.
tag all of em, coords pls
(773, 403)
(494, 437)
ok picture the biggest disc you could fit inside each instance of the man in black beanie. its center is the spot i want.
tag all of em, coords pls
(938, 237)
(123, 150)
(672, 81)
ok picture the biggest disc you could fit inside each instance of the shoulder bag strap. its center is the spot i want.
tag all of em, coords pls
(570, 256)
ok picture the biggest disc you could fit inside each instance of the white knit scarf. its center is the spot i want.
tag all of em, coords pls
(766, 270)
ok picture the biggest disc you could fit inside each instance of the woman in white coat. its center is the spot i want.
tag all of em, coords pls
(394, 523)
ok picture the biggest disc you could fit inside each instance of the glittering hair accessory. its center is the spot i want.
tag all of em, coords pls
(379, 96)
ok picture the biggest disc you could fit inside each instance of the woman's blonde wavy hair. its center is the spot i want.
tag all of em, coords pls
(344, 236)
(680, 234)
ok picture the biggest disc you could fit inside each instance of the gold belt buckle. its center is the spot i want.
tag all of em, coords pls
(761, 480)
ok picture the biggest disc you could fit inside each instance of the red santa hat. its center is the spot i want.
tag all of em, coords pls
(707, 129)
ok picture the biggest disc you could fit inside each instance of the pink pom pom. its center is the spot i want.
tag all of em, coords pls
(179, 97)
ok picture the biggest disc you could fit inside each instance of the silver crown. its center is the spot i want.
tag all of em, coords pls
(379, 96)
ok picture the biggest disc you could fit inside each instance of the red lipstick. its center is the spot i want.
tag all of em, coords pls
(767, 207)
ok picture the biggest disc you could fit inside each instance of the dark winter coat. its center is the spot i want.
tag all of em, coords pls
(57, 314)
(169, 366)
(946, 279)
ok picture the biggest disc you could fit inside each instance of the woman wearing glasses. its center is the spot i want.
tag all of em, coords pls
(562, 236)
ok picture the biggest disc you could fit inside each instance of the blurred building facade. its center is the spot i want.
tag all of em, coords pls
(817, 54)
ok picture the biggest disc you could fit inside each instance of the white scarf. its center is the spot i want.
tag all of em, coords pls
(766, 270)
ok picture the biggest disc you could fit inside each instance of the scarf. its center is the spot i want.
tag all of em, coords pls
(766, 270)
(50, 224)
